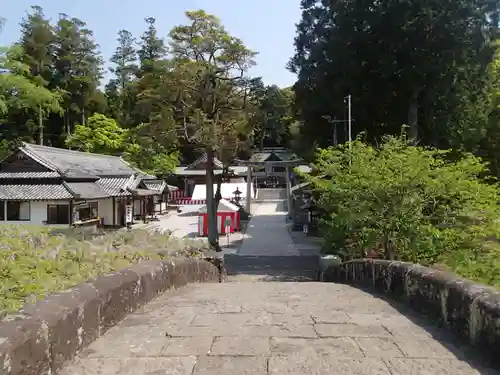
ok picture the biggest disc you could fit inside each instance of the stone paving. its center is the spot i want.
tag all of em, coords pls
(274, 328)
(267, 233)
(252, 327)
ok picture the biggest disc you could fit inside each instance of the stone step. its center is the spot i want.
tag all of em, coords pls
(270, 194)
(272, 268)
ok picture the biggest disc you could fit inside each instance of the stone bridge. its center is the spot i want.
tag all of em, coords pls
(271, 317)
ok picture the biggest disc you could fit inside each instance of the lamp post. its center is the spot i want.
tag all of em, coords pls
(237, 195)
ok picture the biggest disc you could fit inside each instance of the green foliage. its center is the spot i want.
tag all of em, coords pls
(152, 160)
(404, 202)
(19, 92)
(100, 135)
(271, 114)
(37, 261)
(421, 63)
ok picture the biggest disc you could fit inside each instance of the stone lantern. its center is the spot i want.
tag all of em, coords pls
(237, 196)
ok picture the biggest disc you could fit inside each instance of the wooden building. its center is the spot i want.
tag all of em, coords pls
(43, 185)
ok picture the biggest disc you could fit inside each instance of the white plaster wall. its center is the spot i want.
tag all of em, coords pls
(38, 213)
(137, 207)
(106, 210)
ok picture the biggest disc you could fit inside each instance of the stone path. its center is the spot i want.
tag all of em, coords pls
(267, 233)
(245, 328)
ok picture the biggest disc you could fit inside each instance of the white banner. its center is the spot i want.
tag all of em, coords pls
(128, 213)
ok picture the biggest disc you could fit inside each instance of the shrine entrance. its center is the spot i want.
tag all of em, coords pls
(277, 174)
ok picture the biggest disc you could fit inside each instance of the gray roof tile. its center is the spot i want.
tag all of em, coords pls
(28, 175)
(76, 163)
(156, 185)
(34, 192)
(114, 186)
(87, 190)
(202, 160)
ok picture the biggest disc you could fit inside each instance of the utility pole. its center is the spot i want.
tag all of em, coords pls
(335, 142)
(349, 117)
(349, 127)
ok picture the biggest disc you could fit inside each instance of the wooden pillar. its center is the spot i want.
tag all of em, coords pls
(144, 210)
(71, 207)
(114, 211)
(249, 189)
(186, 186)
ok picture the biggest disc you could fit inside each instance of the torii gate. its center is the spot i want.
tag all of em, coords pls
(288, 168)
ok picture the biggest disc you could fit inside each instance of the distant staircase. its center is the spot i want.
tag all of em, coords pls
(271, 194)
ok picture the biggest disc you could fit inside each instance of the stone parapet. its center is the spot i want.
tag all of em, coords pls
(468, 309)
(41, 337)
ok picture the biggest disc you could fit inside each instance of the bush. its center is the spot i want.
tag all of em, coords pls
(37, 261)
(409, 203)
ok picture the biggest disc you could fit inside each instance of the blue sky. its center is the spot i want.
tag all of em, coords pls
(266, 26)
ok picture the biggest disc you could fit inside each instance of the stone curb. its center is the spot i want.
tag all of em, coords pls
(42, 337)
(469, 310)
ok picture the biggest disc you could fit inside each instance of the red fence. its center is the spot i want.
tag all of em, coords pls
(178, 197)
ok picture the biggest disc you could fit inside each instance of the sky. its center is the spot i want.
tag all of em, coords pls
(265, 26)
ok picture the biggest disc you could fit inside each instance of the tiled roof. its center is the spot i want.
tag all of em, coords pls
(144, 192)
(260, 156)
(34, 192)
(156, 185)
(183, 171)
(86, 190)
(114, 186)
(172, 188)
(76, 163)
(202, 160)
(28, 175)
(280, 154)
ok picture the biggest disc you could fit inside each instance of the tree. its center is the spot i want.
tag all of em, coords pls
(19, 93)
(404, 202)
(77, 71)
(37, 38)
(151, 156)
(99, 134)
(119, 90)
(211, 90)
(270, 114)
(490, 144)
(420, 63)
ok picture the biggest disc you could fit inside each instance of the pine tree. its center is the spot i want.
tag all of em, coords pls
(78, 69)
(37, 43)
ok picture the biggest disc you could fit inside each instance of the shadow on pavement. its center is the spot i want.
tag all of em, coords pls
(463, 351)
(273, 268)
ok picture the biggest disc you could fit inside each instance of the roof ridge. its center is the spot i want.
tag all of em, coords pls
(65, 150)
(28, 149)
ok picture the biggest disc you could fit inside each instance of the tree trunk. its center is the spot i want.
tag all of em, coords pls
(213, 231)
(388, 247)
(413, 116)
(40, 125)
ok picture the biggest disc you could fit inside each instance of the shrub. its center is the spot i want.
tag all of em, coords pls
(37, 261)
(405, 202)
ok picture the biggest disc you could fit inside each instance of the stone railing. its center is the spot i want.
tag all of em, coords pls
(39, 339)
(468, 309)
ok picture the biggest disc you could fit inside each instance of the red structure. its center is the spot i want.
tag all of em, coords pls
(226, 210)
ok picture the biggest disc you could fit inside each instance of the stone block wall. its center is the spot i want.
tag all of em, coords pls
(43, 336)
(468, 309)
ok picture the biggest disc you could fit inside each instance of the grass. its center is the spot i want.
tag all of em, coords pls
(482, 266)
(36, 261)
